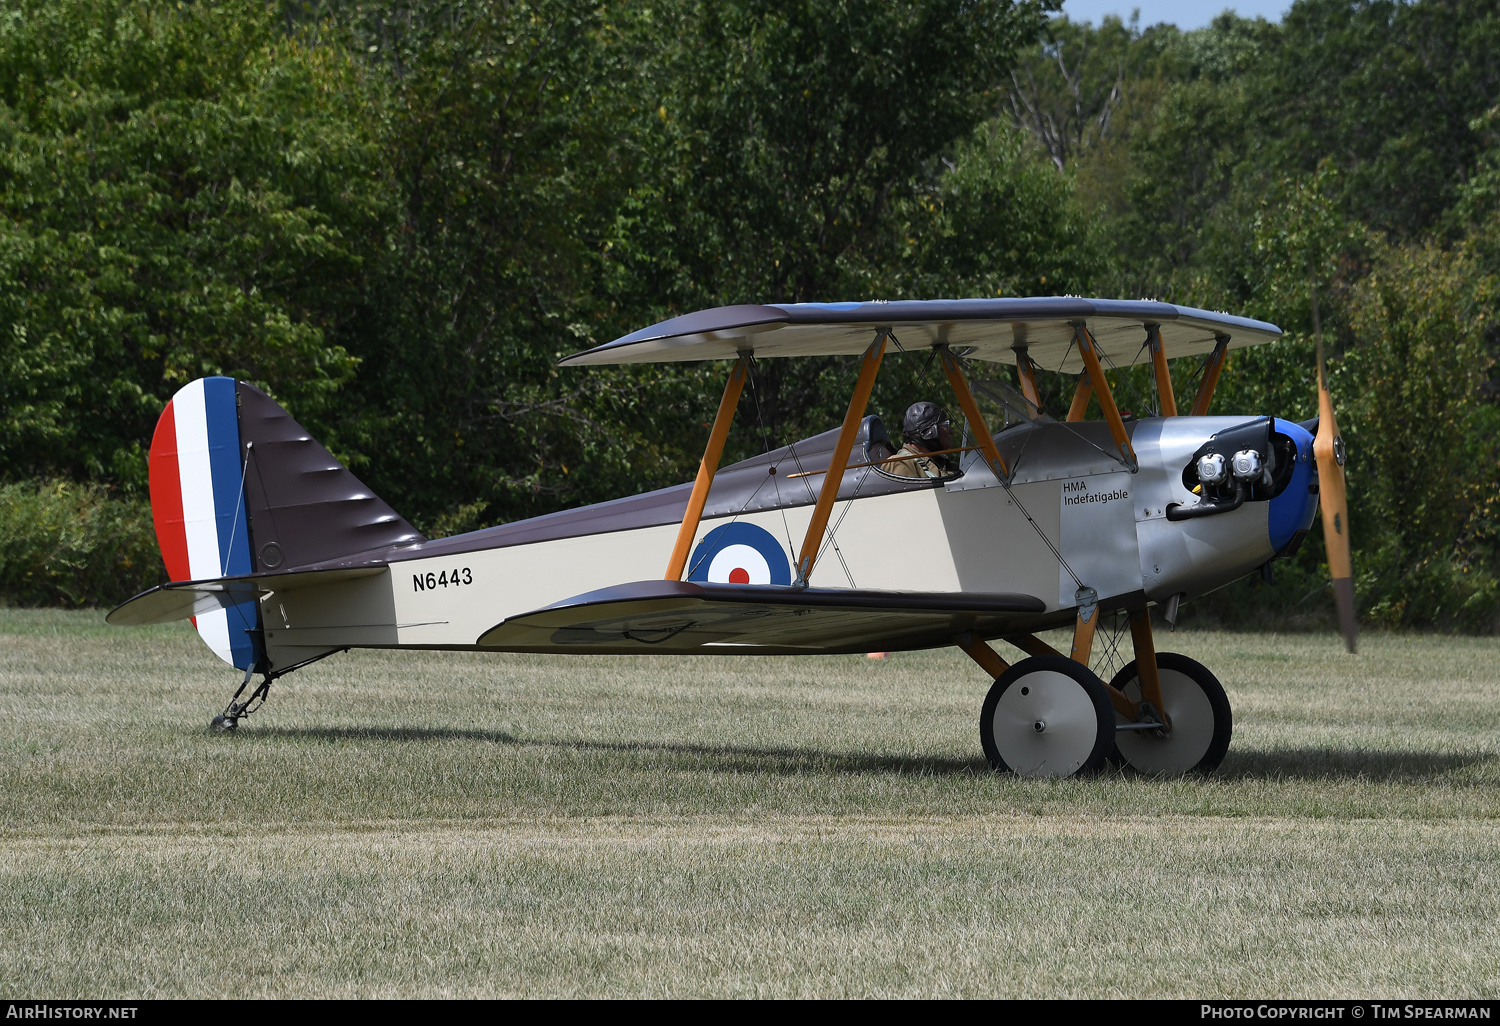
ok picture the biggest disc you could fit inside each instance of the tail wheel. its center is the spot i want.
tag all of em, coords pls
(1197, 708)
(1047, 716)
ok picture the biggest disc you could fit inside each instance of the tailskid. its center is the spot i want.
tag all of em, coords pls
(237, 710)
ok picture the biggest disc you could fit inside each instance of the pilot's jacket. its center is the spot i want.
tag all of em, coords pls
(922, 466)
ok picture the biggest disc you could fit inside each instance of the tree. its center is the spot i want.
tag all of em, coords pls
(185, 193)
(1389, 91)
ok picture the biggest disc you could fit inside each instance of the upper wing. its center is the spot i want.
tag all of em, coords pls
(182, 599)
(989, 329)
(683, 617)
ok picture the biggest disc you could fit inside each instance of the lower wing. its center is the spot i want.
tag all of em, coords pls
(683, 617)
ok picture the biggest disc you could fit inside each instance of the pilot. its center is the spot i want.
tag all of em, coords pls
(926, 431)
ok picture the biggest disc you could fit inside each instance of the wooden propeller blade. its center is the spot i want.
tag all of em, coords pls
(1328, 450)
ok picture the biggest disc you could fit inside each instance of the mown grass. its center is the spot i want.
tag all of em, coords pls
(426, 824)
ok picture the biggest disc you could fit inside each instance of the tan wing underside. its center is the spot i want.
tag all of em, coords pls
(686, 618)
(1049, 343)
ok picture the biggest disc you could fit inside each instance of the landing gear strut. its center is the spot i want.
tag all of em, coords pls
(236, 710)
(229, 719)
(1050, 716)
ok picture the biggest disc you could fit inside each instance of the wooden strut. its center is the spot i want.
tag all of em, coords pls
(1163, 374)
(707, 468)
(1083, 633)
(987, 658)
(836, 464)
(1081, 397)
(1087, 349)
(983, 438)
(1026, 371)
(1146, 670)
(1216, 362)
(1033, 645)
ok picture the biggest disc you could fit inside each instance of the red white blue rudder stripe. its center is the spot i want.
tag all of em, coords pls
(198, 504)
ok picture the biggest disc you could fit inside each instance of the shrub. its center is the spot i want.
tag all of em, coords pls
(69, 544)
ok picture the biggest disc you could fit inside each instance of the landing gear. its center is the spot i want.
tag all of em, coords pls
(1196, 708)
(1047, 716)
(229, 719)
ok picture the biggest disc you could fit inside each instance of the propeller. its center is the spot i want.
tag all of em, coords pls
(1328, 450)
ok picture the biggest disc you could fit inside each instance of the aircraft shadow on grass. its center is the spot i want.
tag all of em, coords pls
(1284, 763)
(1348, 764)
(790, 761)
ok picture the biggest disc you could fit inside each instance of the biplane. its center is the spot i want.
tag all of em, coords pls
(821, 546)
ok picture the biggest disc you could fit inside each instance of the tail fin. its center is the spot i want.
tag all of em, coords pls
(238, 487)
(198, 504)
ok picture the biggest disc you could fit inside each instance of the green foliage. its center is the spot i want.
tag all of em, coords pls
(512, 138)
(65, 544)
(1429, 468)
(1388, 91)
(183, 191)
(998, 222)
(808, 120)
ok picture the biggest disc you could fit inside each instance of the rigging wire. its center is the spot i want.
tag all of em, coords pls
(1011, 494)
(1195, 378)
(1108, 659)
(1125, 377)
(765, 437)
(1115, 456)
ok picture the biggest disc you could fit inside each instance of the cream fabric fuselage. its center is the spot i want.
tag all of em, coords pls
(925, 540)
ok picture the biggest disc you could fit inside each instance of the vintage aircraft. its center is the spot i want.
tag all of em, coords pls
(283, 557)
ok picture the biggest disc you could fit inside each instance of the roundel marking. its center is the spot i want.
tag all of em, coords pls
(740, 553)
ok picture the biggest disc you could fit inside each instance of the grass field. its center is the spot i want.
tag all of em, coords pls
(444, 824)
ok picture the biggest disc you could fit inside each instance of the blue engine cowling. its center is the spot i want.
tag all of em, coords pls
(1293, 508)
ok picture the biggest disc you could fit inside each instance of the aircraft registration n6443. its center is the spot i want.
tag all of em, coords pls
(841, 542)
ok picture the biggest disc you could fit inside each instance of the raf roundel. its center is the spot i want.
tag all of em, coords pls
(739, 553)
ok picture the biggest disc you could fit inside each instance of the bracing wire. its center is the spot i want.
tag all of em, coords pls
(1074, 431)
(1126, 377)
(1108, 658)
(765, 437)
(239, 504)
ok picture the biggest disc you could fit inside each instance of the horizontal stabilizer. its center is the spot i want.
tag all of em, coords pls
(684, 617)
(182, 599)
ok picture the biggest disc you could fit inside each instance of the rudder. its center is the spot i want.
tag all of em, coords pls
(198, 506)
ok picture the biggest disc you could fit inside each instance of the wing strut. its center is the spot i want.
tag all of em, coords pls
(711, 454)
(1026, 372)
(988, 659)
(987, 447)
(1089, 351)
(1216, 361)
(840, 458)
(1081, 396)
(1163, 374)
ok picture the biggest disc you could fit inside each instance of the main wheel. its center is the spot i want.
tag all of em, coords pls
(1197, 708)
(1047, 716)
